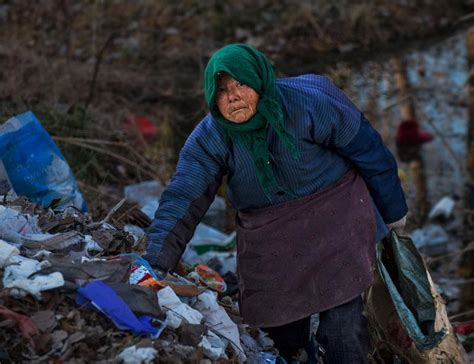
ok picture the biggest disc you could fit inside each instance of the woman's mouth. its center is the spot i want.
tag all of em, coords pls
(237, 110)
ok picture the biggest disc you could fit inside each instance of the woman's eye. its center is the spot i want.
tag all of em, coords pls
(240, 84)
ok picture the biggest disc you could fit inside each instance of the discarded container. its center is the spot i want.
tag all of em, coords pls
(35, 166)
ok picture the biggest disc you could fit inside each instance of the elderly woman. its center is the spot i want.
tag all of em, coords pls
(314, 188)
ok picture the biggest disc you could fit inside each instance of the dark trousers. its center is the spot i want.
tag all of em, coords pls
(342, 333)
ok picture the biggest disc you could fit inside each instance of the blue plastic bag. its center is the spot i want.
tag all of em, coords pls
(34, 165)
(104, 298)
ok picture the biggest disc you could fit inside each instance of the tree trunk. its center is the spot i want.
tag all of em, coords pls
(466, 268)
(417, 168)
(469, 196)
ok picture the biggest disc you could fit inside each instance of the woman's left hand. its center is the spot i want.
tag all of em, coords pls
(398, 226)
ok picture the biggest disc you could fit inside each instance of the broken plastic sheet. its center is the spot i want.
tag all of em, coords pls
(106, 300)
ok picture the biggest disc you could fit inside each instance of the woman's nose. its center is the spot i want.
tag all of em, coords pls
(234, 94)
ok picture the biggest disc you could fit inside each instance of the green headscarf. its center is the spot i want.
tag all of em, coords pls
(248, 66)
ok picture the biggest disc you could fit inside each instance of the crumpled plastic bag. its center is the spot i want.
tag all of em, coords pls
(36, 284)
(35, 166)
(176, 310)
(216, 317)
(19, 275)
(22, 267)
(407, 316)
(14, 225)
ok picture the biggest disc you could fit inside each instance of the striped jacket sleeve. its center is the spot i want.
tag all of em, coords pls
(341, 126)
(187, 197)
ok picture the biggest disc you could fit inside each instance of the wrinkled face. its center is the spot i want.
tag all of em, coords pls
(236, 102)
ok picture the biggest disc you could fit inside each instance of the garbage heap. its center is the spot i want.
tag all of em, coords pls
(75, 290)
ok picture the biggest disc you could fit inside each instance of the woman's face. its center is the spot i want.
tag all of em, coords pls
(236, 102)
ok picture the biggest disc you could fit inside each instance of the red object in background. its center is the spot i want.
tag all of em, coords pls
(464, 328)
(409, 133)
(142, 125)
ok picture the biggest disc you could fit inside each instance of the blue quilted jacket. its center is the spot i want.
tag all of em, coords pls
(333, 136)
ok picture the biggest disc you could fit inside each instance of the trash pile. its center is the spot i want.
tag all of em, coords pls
(75, 289)
(78, 290)
(440, 241)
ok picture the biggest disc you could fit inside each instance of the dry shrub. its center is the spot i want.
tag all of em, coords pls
(84, 67)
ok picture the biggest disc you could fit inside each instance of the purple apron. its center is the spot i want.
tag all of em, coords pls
(307, 255)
